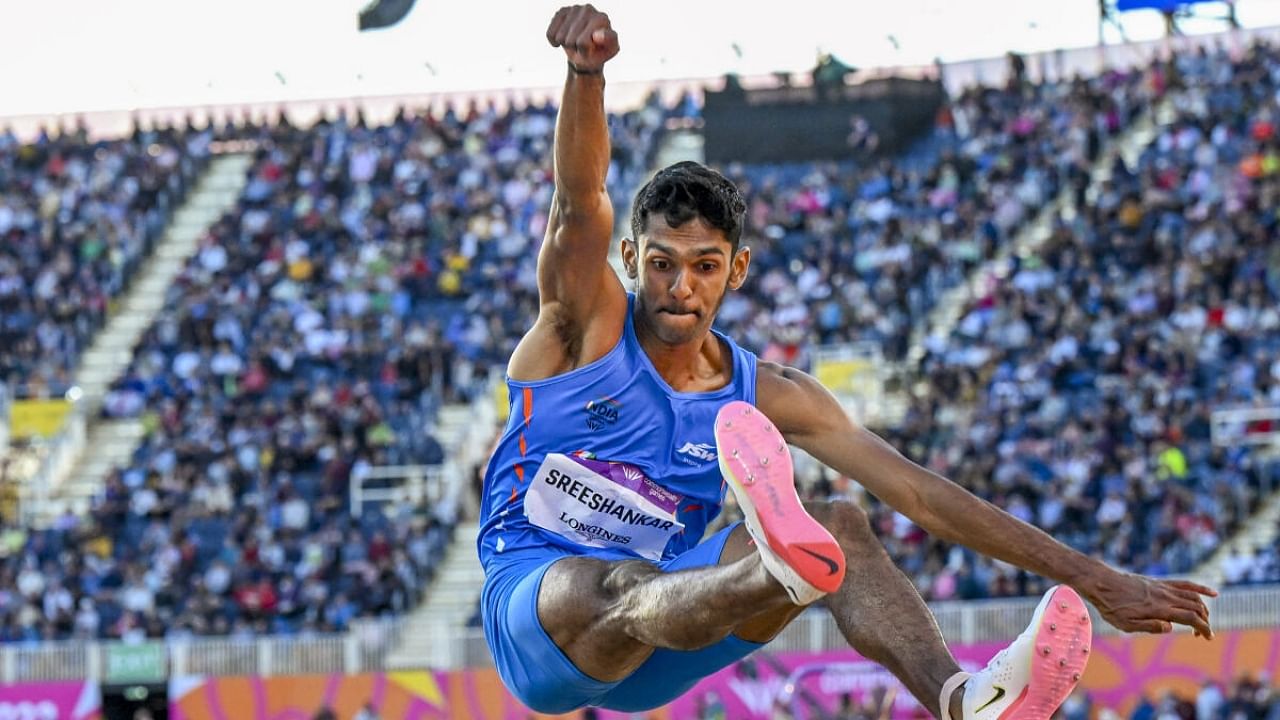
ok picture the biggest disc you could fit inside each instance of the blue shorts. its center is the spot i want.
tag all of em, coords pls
(539, 674)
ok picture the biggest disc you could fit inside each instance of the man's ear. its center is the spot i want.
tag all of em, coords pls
(738, 267)
(629, 257)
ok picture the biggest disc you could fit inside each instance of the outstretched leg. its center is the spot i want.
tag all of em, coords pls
(608, 617)
(877, 609)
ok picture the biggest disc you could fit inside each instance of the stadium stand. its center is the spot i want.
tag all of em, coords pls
(1094, 366)
(371, 273)
(312, 336)
(863, 251)
(77, 219)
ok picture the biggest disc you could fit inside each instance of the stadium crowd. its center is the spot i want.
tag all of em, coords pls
(863, 251)
(369, 274)
(77, 218)
(1092, 368)
(1247, 696)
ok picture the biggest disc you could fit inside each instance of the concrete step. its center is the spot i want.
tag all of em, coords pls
(1259, 531)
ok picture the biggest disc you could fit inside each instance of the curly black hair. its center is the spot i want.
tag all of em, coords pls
(687, 190)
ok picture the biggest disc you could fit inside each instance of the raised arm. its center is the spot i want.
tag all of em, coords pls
(581, 301)
(811, 418)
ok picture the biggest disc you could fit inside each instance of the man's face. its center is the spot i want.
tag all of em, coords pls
(682, 275)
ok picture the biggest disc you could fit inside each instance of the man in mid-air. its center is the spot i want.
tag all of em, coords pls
(630, 415)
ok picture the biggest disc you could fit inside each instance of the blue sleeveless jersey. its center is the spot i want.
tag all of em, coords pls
(620, 464)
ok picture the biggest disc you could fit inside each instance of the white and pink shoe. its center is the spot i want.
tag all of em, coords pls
(1033, 676)
(796, 549)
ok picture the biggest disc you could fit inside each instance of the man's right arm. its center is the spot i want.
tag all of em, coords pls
(582, 304)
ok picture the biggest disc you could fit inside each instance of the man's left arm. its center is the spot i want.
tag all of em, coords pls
(811, 418)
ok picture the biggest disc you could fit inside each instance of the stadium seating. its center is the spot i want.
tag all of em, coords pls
(1092, 368)
(77, 218)
(370, 274)
(367, 275)
(863, 251)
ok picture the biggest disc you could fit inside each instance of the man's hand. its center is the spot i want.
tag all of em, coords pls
(586, 36)
(1135, 603)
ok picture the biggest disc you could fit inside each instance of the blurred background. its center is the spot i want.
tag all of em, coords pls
(262, 265)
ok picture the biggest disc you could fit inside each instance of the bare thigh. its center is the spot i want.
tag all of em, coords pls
(581, 606)
(576, 606)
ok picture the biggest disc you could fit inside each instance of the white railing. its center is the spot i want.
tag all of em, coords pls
(397, 484)
(366, 647)
(962, 623)
(361, 650)
(1240, 426)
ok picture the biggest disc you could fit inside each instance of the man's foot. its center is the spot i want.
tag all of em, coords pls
(796, 549)
(1029, 679)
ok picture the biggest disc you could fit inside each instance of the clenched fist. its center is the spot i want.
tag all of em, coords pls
(584, 33)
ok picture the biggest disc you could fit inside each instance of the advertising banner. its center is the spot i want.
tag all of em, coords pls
(1121, 669)
(37, 418)
(141, 663)
(51, 701)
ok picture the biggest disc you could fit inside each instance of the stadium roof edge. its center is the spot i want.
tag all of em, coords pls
(104, 123)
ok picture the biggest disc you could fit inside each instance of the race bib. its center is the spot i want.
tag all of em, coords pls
(602, 505)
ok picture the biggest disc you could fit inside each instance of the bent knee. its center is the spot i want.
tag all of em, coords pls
(623, 575)
(581, 592)
(577, 591)
(845, 520)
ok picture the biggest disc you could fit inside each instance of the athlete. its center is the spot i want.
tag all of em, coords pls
(630, 415)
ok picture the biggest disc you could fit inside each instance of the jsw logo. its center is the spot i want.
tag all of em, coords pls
(700, 451)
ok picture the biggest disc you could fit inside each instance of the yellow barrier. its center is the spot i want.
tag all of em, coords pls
(855, 377)
(37, 418)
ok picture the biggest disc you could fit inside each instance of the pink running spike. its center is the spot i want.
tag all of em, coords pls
(756, 462)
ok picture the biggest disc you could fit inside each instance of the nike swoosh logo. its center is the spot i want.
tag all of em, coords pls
(832, 567)
(989, 703)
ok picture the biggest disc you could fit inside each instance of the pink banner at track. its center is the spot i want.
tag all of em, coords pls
(750, 690)
(1120, 670)
(51, 701)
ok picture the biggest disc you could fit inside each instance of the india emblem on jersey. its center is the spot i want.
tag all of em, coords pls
(602, 411)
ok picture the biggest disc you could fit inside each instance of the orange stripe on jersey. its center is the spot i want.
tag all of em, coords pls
(524, 446)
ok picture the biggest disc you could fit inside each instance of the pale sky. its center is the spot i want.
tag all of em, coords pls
(85, 55)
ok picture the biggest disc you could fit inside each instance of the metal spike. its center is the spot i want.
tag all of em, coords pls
(735, 453)
(1085, 650)
(764, 461)
(1062, 662)
(1046, 650)
(1053, 626)
(1084, 618)
(1062, 606)
(1076, 677)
